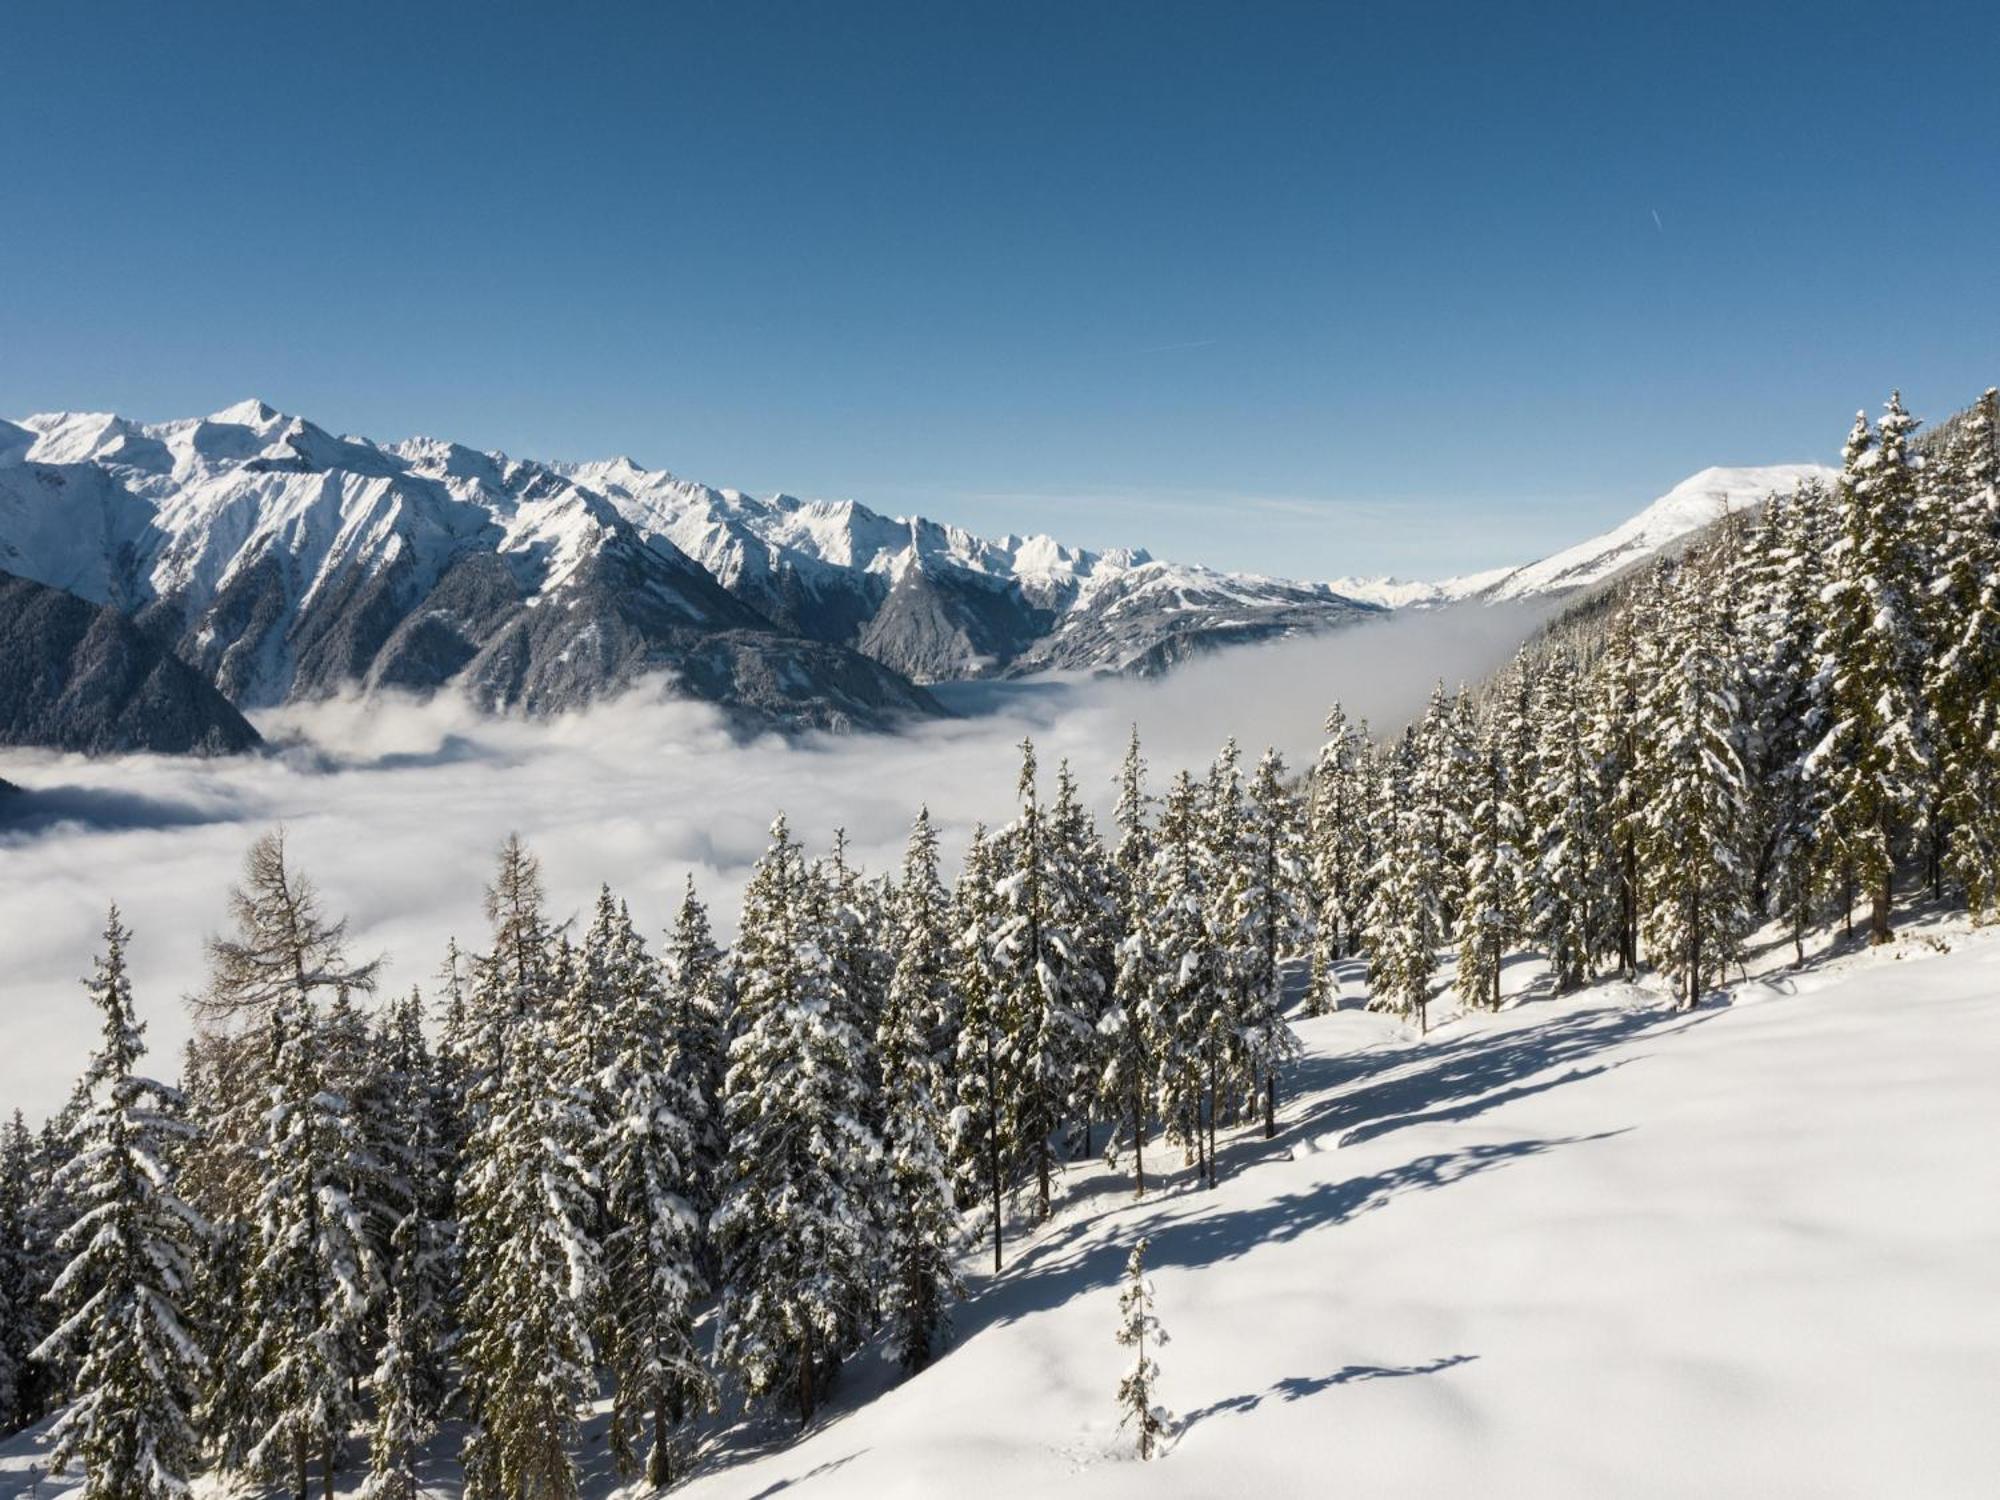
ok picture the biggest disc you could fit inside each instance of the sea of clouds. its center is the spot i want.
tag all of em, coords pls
(396, 808)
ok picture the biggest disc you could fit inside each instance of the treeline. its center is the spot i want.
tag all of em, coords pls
(586, 1164)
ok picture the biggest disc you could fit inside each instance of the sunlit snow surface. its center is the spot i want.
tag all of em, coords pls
(1586, 1247)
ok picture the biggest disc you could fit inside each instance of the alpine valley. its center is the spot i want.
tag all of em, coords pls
(250, 559)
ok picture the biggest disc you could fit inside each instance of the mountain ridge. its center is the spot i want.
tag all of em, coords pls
(288, 564)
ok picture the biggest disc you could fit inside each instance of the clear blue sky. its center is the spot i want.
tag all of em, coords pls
(1309, 289)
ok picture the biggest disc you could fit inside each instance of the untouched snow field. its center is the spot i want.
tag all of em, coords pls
(1584, 1247)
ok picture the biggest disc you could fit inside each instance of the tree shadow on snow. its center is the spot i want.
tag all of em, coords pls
(1451, 1081)
(1298, 1387)
(1184, 1231)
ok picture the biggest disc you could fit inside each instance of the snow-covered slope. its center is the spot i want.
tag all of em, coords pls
(1586, 1247)
(1697, 502)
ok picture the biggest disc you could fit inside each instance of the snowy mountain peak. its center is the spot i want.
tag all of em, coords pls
(247, 413)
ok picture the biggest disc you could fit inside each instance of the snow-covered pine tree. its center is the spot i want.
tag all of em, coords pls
(1139, 1330)
(517, 979)
(28, 1266)
(862, 963)
(312, 1274)
(796, 1227)
(293, 1178)
(1492, 882)
(1962, 681)
(1048, 986)
(1183, 968)
(1086, 906)
(1127, 1030)
(981, 1125)
(410, 1381)
(1614, 742)
(1230, 1084)
(1337, 837)
(402, 1430)
(698, 992)
(1875, 758)
(1447, 743)
(422, 1261)
(921, 1224)
(534, 1278)
(1568, 910)
(1405, 923)
(644, 1155)
(1695, 878)
(122, 1293)
(1779, 624)
(1268, 916)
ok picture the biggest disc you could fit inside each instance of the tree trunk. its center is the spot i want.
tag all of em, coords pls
(993, 1141)
(1270, 1104)
(302, 1487)
(1878, 910)
(1139, 1139)
(326, 1468)
(659, 1469)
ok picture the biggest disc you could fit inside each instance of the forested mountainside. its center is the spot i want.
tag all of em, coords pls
(714, 1176)
(80, 676)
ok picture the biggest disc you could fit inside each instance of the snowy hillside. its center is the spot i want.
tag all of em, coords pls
(1696, 502)
(1586, 1246)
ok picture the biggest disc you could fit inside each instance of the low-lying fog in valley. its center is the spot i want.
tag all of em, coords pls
(396, 809)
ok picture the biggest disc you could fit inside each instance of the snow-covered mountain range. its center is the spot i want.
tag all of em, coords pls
(285, 563)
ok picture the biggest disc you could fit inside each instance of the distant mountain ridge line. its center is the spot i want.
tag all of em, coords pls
(284, 564)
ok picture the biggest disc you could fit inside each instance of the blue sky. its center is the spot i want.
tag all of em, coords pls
(1309, 289)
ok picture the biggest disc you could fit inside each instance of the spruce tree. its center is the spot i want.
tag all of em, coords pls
(698, 992)
(1875, 758)
(1048, 986)
(982, 1128)
(1405, 919)
(1267, 913)
(27, 1268)
(1962, 681)
(1486, 922)
(1183, 968)
(533, 1275)
(921, 1281)
(1780, 624)
(645, 1156)
(122, 1293)
(1568, 842)
(1128, 1029)
(1140, 1331)
(1695, 878)
(796, 1226)
(312, 1274)
(1337, 836)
